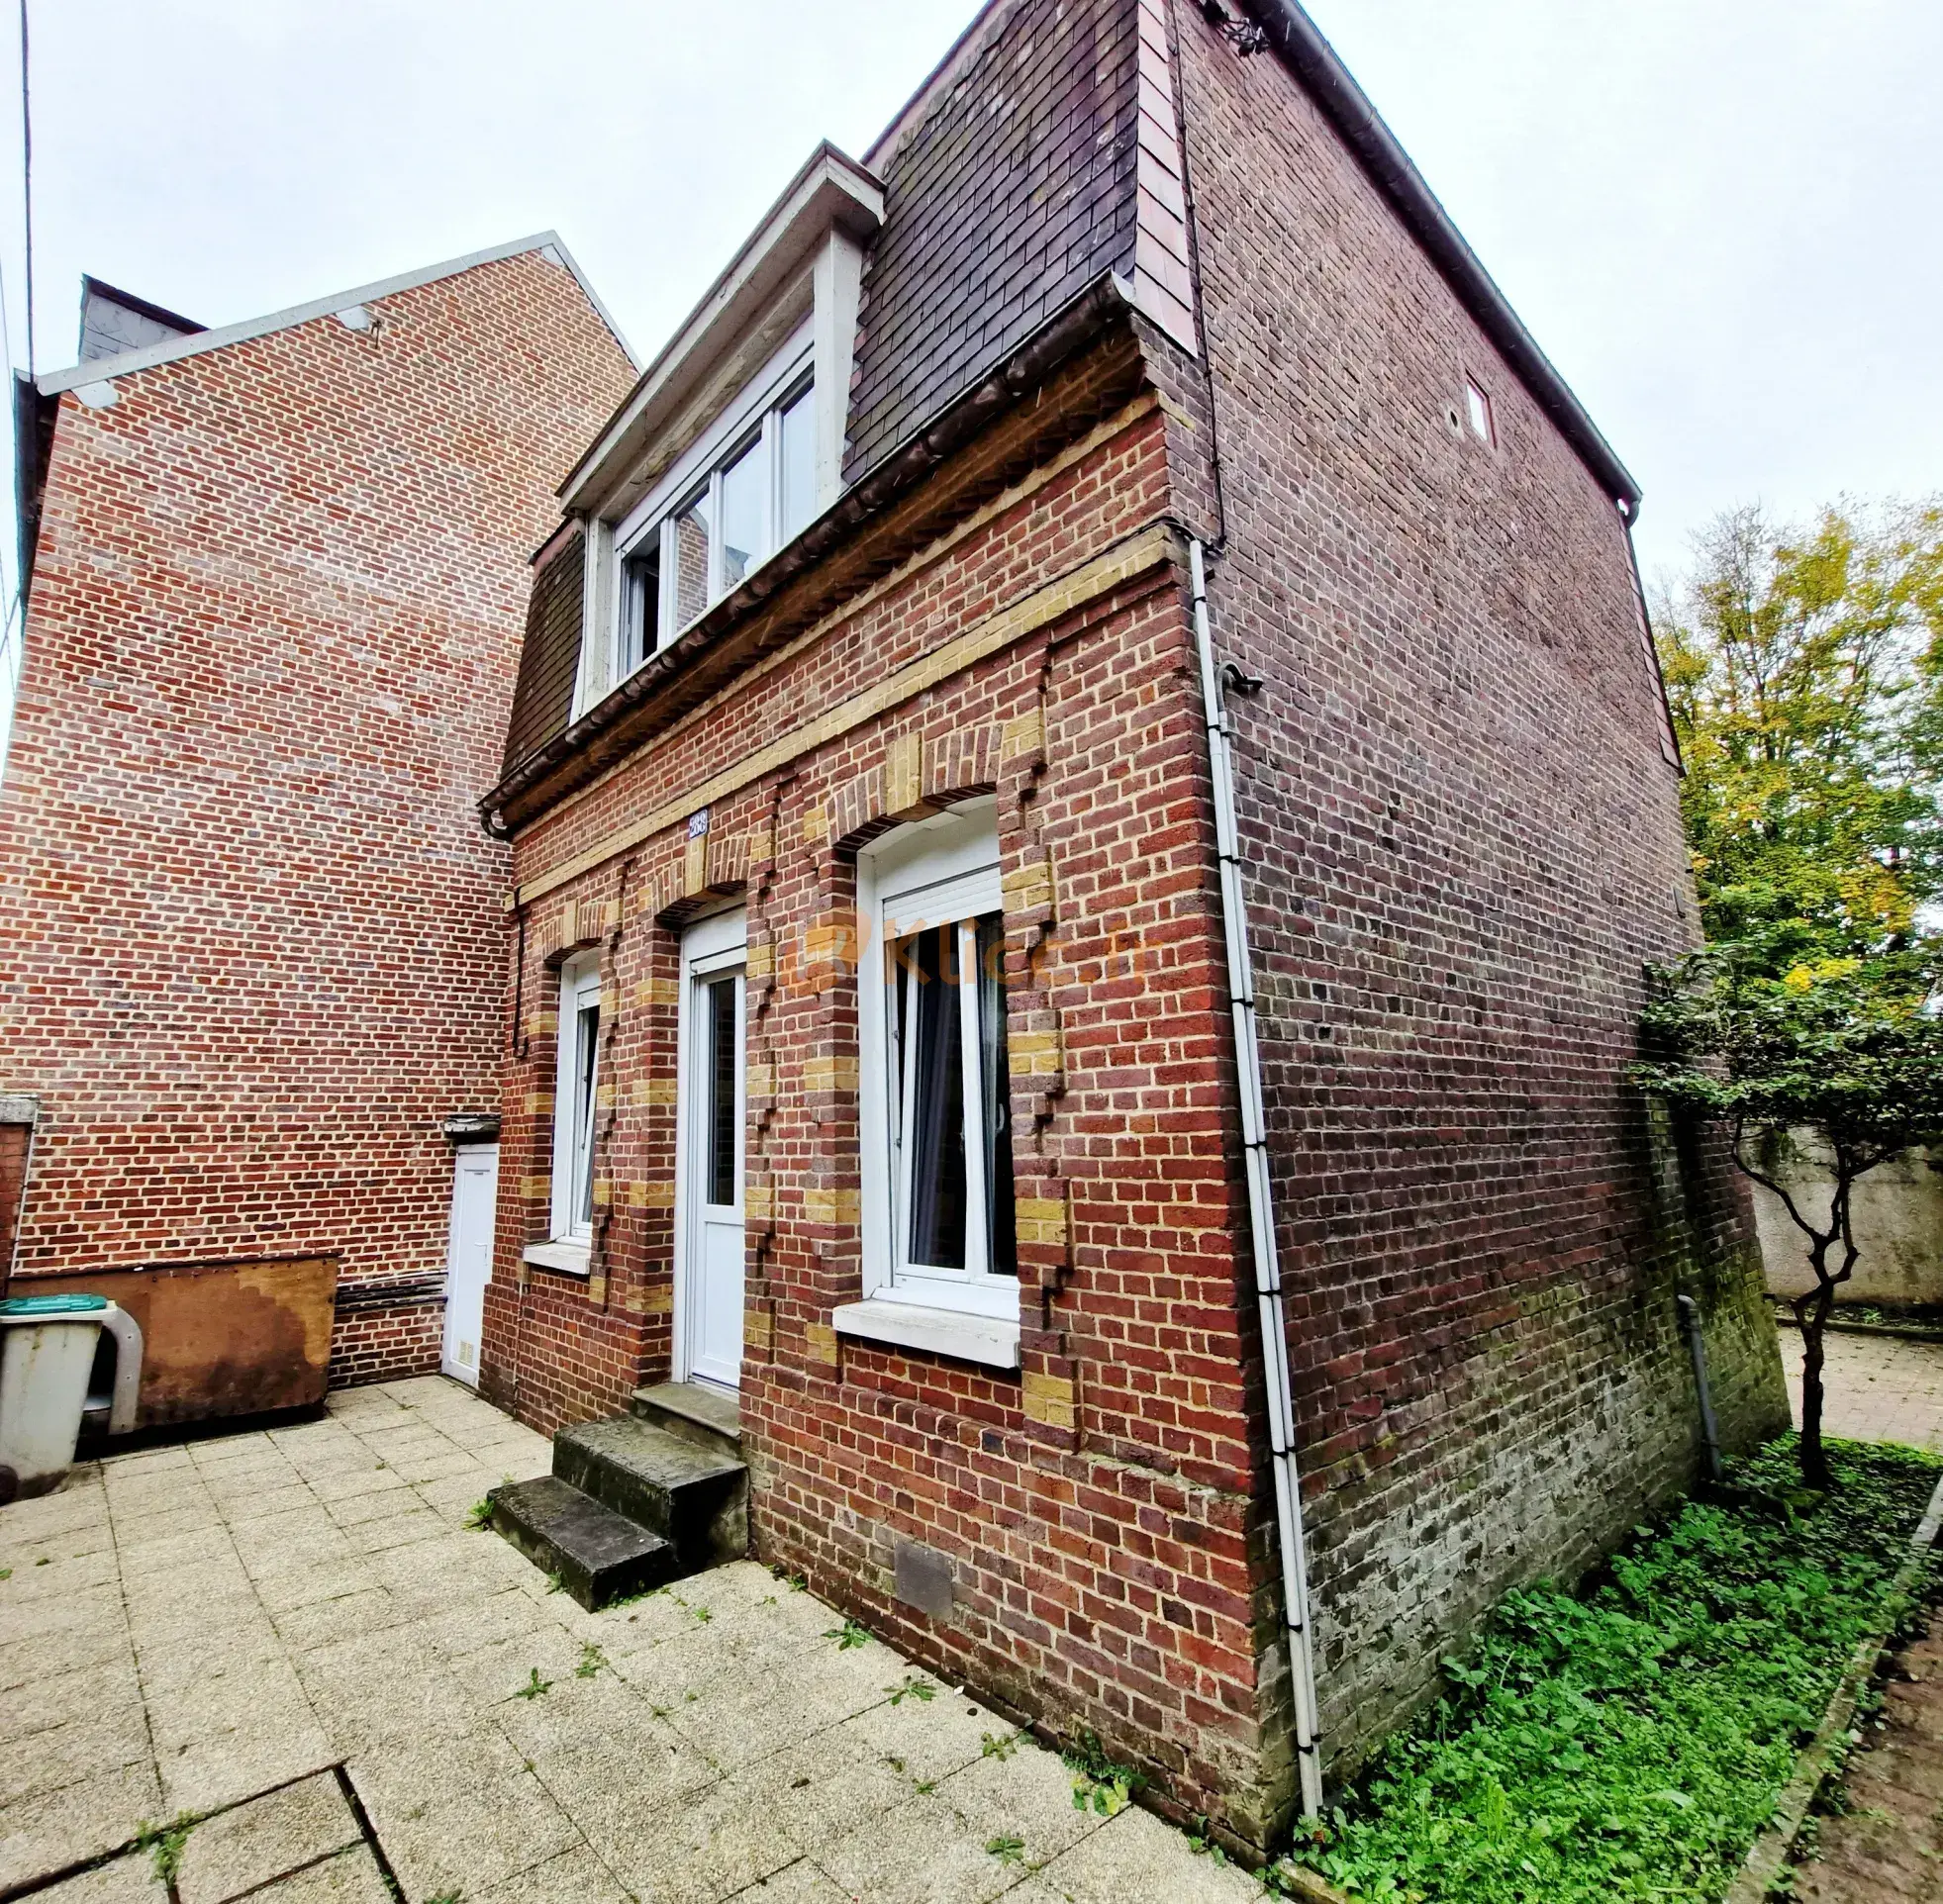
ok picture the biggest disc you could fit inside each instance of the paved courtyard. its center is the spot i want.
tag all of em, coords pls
(1876, 1387)
(288, 1646)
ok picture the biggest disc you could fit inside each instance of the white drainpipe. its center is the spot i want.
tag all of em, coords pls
(1261, 1212)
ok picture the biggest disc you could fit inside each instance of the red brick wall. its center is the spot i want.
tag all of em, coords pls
(1103, 1573)
(253, 954)
(1463, 840)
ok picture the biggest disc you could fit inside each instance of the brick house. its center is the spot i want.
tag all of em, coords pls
(250, 939)
(1088, 795)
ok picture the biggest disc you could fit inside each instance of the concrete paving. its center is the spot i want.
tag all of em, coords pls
(288, 1646)
(1876, 1387)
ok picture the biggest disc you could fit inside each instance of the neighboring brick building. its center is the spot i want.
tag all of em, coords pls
(873, 964)
(249, 928)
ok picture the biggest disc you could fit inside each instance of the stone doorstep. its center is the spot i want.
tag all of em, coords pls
(599, 1556)
(692, 1495)
(708, 1417)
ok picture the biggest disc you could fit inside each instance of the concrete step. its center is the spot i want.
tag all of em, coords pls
(708, 1417)
(599, 1556)
(693, 1496)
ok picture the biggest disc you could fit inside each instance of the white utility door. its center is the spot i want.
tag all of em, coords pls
(709, 1212)
(470, 1258)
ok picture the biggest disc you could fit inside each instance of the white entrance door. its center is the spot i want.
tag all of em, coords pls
(470, 1258)
(709, 1142)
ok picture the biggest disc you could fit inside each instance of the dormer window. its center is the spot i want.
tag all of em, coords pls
(732, 442)
(698, 539)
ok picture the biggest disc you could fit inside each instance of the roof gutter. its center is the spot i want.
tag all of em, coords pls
(1296, 38)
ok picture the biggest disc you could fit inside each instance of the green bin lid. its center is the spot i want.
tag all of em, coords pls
(43, 1305)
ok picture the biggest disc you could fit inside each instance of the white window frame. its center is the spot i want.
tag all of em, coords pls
(931, 872)
(1481, 413)
(697, 474)
(573, 1151)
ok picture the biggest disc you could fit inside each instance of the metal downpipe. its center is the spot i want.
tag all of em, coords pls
(1261, 1211)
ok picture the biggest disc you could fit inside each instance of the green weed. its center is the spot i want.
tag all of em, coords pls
(480, 1514)
(994, 1746)
(1006, 1849)
(1630, 1740)
(534, 1686)
(164, 1844)
(913, 1688)
(846, 1636)
(592, 1659)
(1099, 1784)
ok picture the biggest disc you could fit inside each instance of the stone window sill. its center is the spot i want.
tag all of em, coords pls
(568, 1259)
(987, 1339)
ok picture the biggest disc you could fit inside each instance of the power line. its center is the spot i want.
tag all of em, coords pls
(27, 183)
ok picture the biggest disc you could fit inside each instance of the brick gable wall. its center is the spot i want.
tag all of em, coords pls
(1464, 841)
(252, 945)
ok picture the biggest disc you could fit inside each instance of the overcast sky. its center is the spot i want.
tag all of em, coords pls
(1719, 217)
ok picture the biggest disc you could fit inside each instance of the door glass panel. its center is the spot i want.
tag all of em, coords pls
(722, 1133)
(744, 513)
(994, 1094)
(933, 1097)
(797, 429)
(694, 533)
(587, 1044)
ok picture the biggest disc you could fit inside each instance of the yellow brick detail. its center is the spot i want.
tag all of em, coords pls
(1033, 1054)
(540, 1103)
(1023, 735)
(654, 992)
(602, 1097)
(543, 1025)
(1028, 886)
(659, 1300)
(597, 1290)
(695, 866)
(536, 1189)
(609, 1002)
(816, 824)
(830, 1074)
(1040, 1219)
(759, 1081)
(603, 1190)
(758, 1201)
(761, 962)
(759, 1329)
(652, 1197)
(819, 1343)
(830, 1207)
(904, 773)
(1050, 1400)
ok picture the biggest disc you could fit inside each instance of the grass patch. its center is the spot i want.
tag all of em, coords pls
(1630, 1740)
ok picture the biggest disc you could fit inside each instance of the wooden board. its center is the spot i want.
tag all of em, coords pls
(221, 1338)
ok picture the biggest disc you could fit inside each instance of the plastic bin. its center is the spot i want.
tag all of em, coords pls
(49, 1351)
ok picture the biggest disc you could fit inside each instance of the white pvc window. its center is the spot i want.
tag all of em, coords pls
(935, 1124)
(756, 492)
(575, 1084)
(1484, 425)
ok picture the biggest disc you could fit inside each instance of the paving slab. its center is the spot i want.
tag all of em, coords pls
(268, 1837)
(222, 1622)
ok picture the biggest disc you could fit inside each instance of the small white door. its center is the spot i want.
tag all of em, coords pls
(709, 1216)
(470, 1258)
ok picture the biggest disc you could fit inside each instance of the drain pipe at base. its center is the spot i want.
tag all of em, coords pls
(1261, 1211)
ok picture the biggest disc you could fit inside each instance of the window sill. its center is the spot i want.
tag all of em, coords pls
(569, 1259)
(988, 1339)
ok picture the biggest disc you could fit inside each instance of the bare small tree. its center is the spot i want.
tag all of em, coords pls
(1850, 1050)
